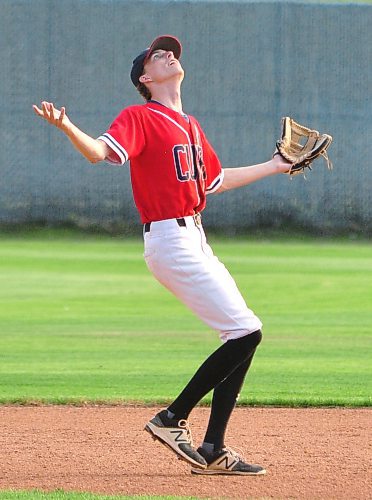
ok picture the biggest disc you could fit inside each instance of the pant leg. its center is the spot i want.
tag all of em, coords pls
(181, 260)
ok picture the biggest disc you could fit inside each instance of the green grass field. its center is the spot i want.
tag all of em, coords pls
(81, 319)
(62, 495)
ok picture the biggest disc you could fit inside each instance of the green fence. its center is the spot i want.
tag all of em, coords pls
(247, 64)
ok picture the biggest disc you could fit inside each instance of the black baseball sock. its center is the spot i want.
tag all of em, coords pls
(220, 364)
(224, 400)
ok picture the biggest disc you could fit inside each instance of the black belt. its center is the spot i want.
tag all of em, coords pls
(180, 221)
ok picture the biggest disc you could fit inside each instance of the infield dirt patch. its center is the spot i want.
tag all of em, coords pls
(309, 453)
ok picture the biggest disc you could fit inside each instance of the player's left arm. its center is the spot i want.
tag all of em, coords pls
(241, 176)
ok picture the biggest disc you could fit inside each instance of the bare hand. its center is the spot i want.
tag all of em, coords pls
(56, 117)
(281, 164)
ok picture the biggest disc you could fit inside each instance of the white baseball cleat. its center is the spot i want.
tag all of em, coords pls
(176, 435)
(229, 462)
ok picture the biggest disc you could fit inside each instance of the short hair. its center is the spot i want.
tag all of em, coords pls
(144, 91)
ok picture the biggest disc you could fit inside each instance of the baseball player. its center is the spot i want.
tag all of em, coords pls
(173, 168)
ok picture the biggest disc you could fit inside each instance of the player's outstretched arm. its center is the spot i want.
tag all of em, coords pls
(93, 150)
(241, 176)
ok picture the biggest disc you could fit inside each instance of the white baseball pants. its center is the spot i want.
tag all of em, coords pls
(181, 260)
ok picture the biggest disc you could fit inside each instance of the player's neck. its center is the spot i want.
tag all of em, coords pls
(169, 97)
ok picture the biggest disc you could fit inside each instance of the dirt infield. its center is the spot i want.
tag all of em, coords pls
(309, 453)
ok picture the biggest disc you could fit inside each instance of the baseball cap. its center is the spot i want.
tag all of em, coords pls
(164, 42)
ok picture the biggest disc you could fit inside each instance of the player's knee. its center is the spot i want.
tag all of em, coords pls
(248, 343)
(255, 337)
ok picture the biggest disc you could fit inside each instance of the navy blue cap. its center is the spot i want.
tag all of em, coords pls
(164, 42)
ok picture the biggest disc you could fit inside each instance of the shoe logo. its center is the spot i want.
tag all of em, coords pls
(179, 438)
(224, 462)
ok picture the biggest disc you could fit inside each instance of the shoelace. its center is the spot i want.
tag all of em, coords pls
(238, 455)
(183, 424)
(326, 157)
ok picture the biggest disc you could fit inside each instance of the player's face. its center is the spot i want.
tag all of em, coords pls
(162, 65)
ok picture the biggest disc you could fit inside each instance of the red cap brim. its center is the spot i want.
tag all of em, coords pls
(165, 42)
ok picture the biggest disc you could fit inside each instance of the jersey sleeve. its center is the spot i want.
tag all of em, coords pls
(125, 137)
(214, 170)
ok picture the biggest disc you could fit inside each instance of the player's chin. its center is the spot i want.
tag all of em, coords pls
(180, 72)
(175, 66)
(176, 73)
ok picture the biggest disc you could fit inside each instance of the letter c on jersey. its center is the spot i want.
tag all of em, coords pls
(181, 154)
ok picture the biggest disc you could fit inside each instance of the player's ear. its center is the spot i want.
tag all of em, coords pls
(145, 78)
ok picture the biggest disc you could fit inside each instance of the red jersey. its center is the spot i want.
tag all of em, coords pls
(172, 164)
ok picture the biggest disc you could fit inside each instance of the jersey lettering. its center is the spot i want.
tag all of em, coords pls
(185, 169)
(197, 154)
(181, 155)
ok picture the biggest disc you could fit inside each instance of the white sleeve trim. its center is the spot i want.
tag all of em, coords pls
(115, 146)
(215, 184)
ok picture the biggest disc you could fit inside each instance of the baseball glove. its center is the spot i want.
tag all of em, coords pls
(301, 146)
